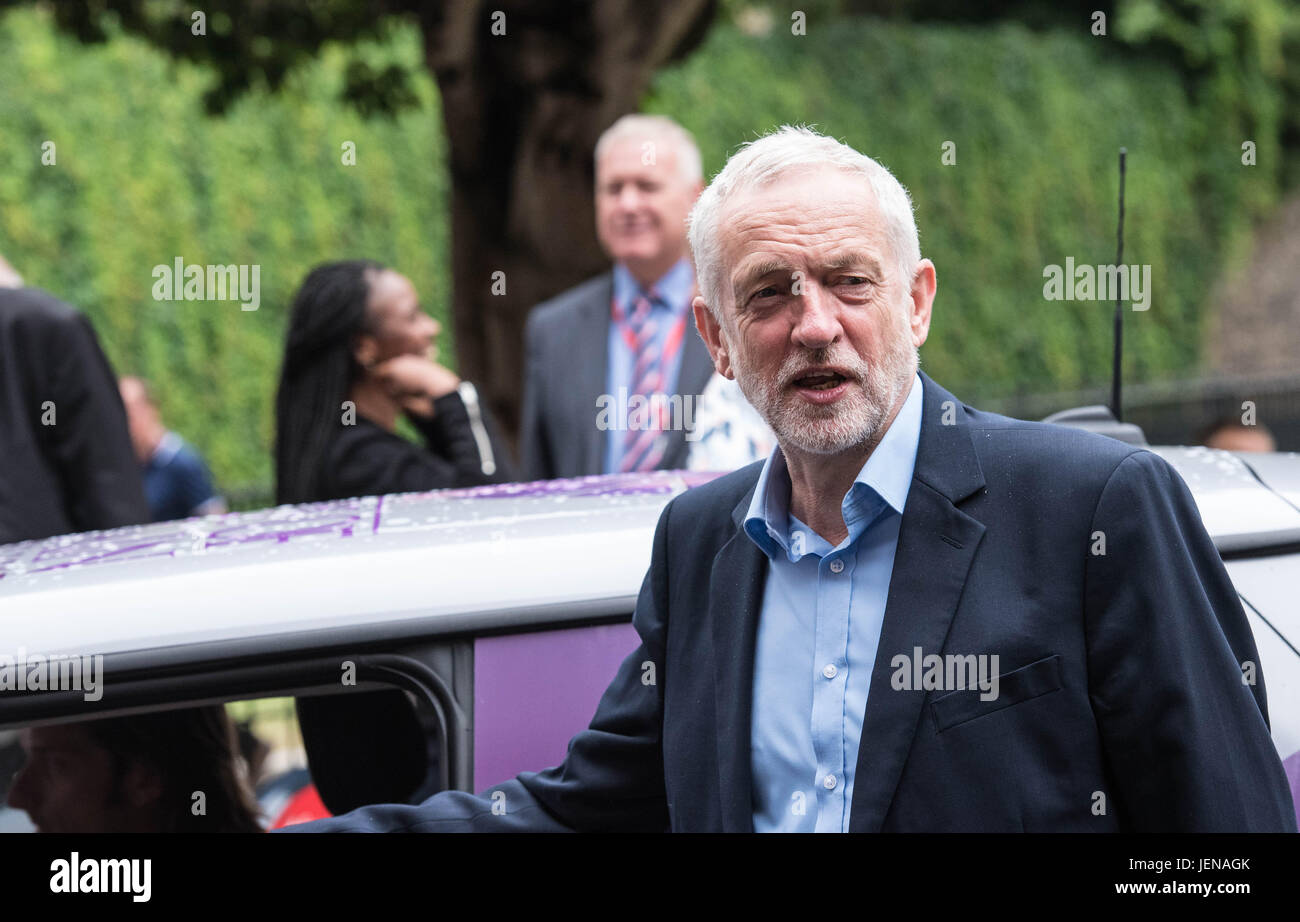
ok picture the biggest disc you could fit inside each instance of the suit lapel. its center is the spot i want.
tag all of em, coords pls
(591, 364)
(735, 601)
(936, 544)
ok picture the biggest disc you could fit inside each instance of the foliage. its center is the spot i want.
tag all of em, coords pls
(1037, 119)
(246, 44)
(143, 175)
(1242, 62)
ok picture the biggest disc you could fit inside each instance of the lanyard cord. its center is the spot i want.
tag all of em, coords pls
(671, 344)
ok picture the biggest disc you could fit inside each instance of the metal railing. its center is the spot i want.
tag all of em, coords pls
(1176, 412)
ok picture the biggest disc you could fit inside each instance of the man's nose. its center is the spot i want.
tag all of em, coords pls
(629, 197)
(818, 323)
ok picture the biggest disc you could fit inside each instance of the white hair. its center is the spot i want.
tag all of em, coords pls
(763, 161)
(660, 127)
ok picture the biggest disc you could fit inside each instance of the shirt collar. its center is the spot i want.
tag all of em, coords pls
(168, 446)
(674, 288)
(883, 481)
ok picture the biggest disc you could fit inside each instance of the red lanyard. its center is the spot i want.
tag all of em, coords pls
(671, 345)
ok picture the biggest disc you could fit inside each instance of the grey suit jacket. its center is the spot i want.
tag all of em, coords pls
(567, 349)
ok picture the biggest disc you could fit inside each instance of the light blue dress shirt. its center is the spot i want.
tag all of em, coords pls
(675, 290)
(821, 617)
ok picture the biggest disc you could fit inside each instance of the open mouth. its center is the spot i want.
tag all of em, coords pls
(821, 387)
(820, 381)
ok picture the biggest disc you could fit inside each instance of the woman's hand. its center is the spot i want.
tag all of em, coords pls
(415, 382)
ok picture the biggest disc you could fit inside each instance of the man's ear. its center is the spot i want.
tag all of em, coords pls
(711, 333)
(924, 285)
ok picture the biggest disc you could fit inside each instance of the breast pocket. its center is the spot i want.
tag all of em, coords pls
(1035, 680)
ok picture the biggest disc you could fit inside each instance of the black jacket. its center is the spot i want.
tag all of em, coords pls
(1121, 672)
(68, 465)
(462, 449)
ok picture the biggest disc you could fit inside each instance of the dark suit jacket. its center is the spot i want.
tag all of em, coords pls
(1121, 705)
(80, 473)
(567, 347)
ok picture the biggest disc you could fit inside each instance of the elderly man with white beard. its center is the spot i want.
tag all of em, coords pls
(900, 620)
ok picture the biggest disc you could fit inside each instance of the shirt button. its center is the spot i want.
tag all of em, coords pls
(829, 670)
(828, 782)
(837, 566)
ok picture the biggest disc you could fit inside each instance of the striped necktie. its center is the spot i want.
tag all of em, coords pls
(644, 442)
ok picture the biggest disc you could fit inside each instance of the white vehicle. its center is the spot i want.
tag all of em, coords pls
(503, 611)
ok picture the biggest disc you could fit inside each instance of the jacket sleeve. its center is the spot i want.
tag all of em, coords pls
(453, 457)
(534, 446)
(465, 433)
(612, 778)
(89, 444)
(1186, 738)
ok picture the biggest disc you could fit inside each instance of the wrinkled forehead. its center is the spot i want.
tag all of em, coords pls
(803, 186)
(814, 211)
(642, 152)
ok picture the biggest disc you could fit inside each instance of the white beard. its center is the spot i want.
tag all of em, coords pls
(857, 418)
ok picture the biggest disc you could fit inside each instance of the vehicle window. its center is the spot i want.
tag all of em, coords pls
(237, 766)
(271, 745)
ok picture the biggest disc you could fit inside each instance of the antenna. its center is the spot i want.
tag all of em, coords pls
(1115, 382)
(1099, 419)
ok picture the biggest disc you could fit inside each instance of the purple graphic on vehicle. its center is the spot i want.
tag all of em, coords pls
(327, 521)
(596, 485)
(533, 692)
(1292, 766)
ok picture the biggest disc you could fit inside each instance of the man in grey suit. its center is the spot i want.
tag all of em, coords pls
(614, 366)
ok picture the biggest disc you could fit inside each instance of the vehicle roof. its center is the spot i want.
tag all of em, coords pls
(506, 556)
(1242, 497)
(1279, 470)
(488, 556)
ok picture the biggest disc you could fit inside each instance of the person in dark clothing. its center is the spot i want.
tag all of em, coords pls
(360, 352)
(137, 773)
(177, 483)
(68, 463)
(368, 458)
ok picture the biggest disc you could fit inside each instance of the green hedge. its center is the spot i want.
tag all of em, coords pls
(1037, 120)
(144, 176)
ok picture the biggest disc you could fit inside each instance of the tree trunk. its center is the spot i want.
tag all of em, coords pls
(523, 111)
